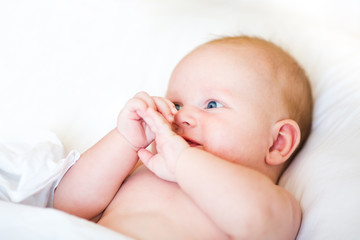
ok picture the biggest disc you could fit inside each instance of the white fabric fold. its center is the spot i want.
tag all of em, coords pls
(31, 166)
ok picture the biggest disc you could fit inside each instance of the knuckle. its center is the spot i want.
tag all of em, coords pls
(141, 94)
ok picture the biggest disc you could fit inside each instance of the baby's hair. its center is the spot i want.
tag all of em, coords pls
(294, 84)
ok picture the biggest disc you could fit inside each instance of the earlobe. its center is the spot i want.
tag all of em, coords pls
(285, 139)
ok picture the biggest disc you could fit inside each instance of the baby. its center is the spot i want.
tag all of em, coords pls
(236, 111)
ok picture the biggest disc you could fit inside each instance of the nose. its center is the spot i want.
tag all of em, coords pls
(185, 118)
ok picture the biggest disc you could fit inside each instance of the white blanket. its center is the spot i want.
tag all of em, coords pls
(28, 222)
(31, 165)
(68, 67)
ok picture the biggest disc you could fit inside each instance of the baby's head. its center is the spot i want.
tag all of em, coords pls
(243, 99)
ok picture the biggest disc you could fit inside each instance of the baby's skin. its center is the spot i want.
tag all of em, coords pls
(219, 146)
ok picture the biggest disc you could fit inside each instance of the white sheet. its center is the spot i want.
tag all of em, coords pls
(28, 222)
(32, 163)
(69, 66)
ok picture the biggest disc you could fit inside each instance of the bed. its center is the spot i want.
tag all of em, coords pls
(67, 68)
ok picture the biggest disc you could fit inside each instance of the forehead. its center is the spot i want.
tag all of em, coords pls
(223, 66)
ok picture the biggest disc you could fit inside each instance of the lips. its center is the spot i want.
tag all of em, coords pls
(192, 143)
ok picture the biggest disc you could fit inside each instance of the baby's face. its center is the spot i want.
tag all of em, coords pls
(223, 94)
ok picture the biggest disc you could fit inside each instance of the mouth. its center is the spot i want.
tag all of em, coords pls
(191, 142)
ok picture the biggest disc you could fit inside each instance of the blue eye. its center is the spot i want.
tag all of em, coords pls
(177, 106)
(213, 104)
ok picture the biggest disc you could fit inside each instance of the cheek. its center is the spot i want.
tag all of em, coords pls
(235, 144)
(225, 143)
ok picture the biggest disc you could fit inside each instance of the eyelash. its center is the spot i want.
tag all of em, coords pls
(218, 105)
(177, 106)
(208, 105)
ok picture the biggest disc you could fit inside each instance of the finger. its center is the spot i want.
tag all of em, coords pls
(171, 106)
(150, 122)
(139, 103)
(133, 106)
(165, 107)
(155, 164)
(149, 160)
(157, 122)
(145, 156)
(144, 96)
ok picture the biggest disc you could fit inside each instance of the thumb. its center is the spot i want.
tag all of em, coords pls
(145, 156)
(156, 164)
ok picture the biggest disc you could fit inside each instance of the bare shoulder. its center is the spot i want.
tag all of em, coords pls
(276, 214)
(289, 213)
(297, 213)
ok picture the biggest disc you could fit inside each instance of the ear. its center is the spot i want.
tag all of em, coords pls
(285, 139)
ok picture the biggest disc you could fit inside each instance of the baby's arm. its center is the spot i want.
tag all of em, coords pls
(242, 202)
(90, 185)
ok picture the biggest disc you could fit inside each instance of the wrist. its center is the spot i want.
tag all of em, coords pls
(126, 141)
(185, 157)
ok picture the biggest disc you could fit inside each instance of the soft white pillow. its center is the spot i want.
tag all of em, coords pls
(70, 66)
(325, 176)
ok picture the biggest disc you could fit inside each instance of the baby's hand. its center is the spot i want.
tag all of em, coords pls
(131, 125)
(169, 146)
